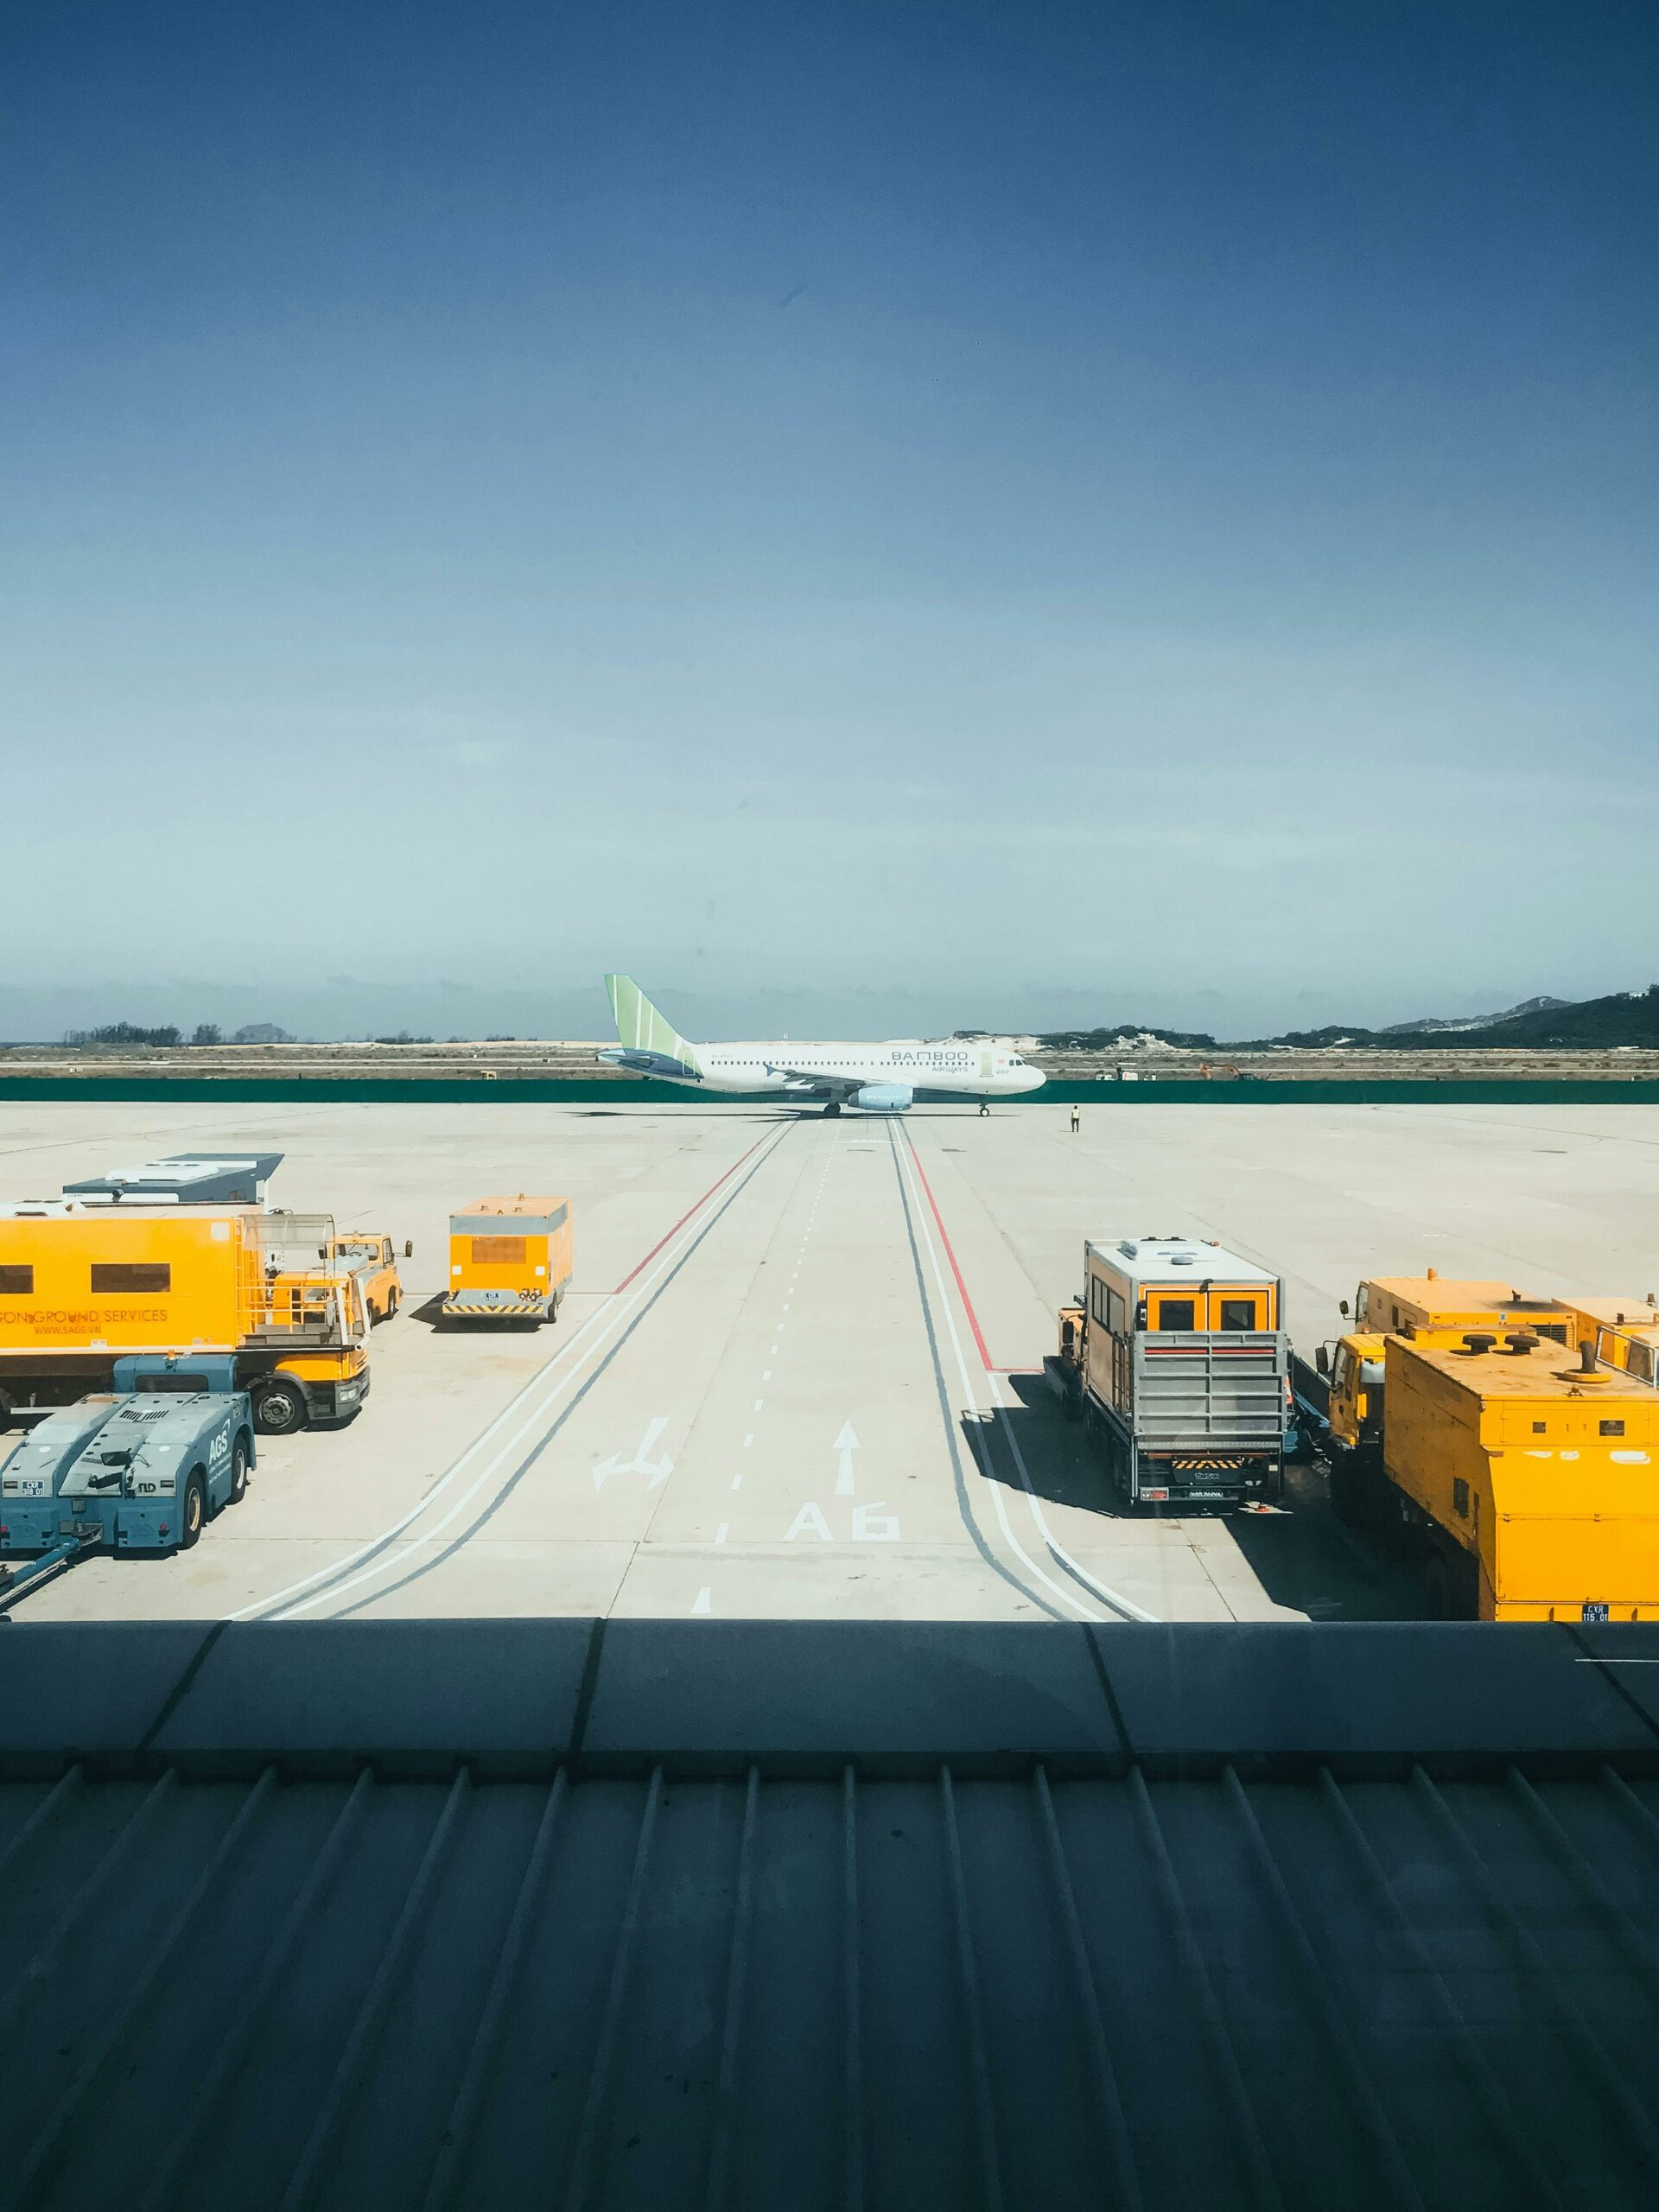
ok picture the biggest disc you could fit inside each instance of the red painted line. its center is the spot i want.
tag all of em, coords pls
(686, 1217)
(967, 1302)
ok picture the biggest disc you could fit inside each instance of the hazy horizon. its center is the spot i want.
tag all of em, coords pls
(574, 1013)
(896, 517)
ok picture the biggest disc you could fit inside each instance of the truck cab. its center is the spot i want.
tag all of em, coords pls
(371, 1258)
(1624, 1333)
(1355, 1390)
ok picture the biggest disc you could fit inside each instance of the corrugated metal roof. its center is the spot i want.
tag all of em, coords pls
(663, 1970)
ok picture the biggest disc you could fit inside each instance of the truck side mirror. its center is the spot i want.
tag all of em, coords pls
(409, 1248)
(1342, 1308)
(1322, 1360)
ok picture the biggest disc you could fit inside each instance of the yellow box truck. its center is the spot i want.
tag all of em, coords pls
(81, 1285)
(511, 1259)
(1177, 1360)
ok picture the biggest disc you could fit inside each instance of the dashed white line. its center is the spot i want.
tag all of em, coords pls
(748, 1439)
(721, 1532)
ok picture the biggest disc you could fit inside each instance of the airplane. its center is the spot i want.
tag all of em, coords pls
(876, 1078)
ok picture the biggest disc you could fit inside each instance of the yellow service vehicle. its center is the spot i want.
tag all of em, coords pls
(1522, 1476)
(369, 1257)
(1176, 1360)
(1624, 1332)
(1404, 1306)
(511, 1259)
(81, 1285)
(1340, 1399)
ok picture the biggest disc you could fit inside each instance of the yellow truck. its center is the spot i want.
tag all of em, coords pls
(369, 1256)
(83, 1285)
(1522, 1476)
(1341, 1397)
(1176, 1360)
(1624, 1332)
(511, 1259)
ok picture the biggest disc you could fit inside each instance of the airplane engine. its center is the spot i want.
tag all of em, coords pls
(884, 1097)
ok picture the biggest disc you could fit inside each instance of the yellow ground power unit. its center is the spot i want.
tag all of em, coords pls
(1526, 1476)
(511, 1259)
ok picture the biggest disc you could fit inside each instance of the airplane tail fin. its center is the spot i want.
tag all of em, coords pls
(642, 1029)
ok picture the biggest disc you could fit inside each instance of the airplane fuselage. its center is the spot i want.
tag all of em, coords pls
(945, 1069)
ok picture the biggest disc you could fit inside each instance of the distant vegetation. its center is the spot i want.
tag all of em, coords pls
(122, 1033)
(168, 1034)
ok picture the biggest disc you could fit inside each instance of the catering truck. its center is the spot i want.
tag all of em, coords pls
(511, 1259)
(82, 1284)
(1176, 1358)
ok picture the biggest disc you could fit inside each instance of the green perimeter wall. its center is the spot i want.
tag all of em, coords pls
(473, 1091)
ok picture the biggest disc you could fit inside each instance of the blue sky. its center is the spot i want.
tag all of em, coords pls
(872, 516)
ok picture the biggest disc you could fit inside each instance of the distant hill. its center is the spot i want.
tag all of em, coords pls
(1123, 1032)
(1627, 1018)
(1537, 1025)
(1431, 1026)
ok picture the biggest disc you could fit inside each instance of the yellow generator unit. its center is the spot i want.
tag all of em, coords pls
(510, 1260)
(1527, 1475)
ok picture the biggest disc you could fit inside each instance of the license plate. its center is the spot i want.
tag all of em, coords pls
(1594, 1613)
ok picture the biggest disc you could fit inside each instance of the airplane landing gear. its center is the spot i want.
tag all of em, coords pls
(984, 1106)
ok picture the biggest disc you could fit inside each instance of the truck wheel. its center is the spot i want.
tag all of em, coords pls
(280, 1408)
(194, 1512)
(238, 1472)
(391, 1306)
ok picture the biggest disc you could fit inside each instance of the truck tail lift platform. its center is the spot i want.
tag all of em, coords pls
(142, 1469)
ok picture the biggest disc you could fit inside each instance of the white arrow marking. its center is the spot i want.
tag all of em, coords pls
(846, 1444)
(655, 1471)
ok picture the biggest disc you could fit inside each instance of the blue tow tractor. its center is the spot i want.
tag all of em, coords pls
(141, 1469)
